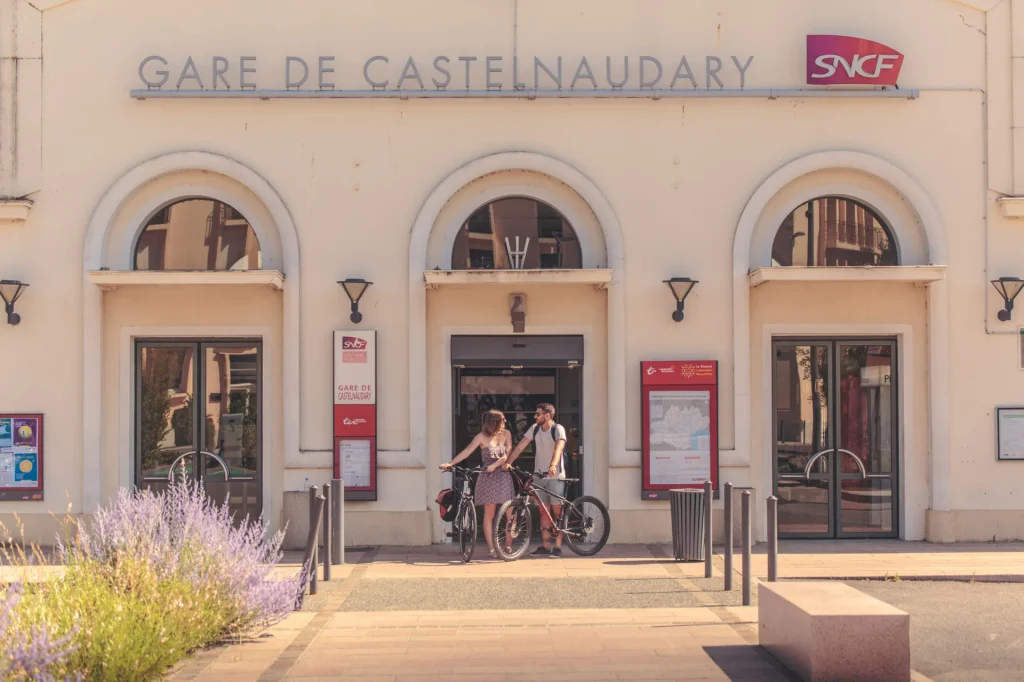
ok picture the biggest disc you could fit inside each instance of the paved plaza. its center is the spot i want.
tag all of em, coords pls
(631, 613)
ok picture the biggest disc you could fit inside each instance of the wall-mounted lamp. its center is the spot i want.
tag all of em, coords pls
(1008, 288)
(680, 287)
(11, 290)
(355, 288)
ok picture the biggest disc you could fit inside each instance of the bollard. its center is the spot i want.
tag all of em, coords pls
(727, 499)
(773, 539)
(327, 531)
(314, 493)
(338, 522)
(745, 513)
(309, 557)
(708, 553)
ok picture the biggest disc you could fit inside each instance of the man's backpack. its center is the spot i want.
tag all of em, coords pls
(448, 504)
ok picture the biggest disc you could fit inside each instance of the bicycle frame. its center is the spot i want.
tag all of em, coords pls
(530, 491)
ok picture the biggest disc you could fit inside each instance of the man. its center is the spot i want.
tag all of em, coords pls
(548, 439)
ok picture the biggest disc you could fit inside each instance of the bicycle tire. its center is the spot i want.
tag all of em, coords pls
(587, 525)
(514, 514)
(467, 532)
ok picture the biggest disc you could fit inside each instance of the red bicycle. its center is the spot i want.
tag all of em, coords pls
(584, 521)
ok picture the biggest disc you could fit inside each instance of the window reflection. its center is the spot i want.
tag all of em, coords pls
(198, 234)
(232, 409)
(488, 239)
(833, 231)
(166, 409)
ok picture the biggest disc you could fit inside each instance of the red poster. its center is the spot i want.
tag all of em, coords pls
(680, 426)
(355, 413)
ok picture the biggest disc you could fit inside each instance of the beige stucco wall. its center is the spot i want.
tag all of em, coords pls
(354, 175)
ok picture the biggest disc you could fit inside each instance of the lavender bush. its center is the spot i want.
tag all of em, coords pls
(150, 579)
(184, 535)
(28, 655)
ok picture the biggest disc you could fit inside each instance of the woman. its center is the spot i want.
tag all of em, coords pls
(493, 486)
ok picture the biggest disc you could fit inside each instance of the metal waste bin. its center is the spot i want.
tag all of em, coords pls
(687, 508)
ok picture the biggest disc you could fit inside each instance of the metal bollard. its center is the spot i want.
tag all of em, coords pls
(338, 522)
(327, 531)
(773, 539)
(745, 511)
(316, 513)
(314, 493)
(727, 498)
(708, 553)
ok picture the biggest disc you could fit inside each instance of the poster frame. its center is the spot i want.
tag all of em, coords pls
(33, 493)
(358, 493)
(999, 434)
(650, 491)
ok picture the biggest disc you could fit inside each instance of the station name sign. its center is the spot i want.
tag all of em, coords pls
(394, 75)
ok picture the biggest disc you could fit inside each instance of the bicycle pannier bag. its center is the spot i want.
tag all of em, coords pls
(448, 504)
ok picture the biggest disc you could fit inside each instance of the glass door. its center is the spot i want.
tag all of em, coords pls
(198, 414)
(835, 438)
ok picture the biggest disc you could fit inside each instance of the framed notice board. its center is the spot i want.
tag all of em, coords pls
(680, 426)
(1010, 434)
(21, 457)
(355, 458)
(355, 413)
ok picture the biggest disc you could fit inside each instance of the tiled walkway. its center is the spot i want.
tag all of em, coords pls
(711, 642)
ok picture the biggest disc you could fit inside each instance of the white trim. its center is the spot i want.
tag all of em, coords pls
(1011, 207)
(14, 210)
(109, 280)
(445, 393)
(126, 393)
(938, 300)
(898, 273)
(94, 257)
(906, 377)
(418, 254)
(436, 278)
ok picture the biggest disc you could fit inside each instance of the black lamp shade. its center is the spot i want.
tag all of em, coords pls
(680, 287)
(11, 290)
(355, 288)
(1008, 287)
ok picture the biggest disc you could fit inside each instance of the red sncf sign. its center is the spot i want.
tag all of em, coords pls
(842, 60)
(353, 343)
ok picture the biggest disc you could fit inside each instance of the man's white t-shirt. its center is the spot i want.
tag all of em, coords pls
(544, 446)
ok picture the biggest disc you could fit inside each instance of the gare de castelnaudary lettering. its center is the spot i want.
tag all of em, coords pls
(440, 76)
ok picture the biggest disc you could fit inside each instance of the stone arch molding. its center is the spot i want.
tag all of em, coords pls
(516, 173)
(920, 232)
(109, 242)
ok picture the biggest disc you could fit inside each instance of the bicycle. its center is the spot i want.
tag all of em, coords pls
(464, 526)
(584, 521)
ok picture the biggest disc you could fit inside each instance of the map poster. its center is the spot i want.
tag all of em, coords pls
(21, 457)
(356, 459)
(1010, 433)
(680, 426)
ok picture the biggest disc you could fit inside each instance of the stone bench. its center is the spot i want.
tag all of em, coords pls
(831, 631)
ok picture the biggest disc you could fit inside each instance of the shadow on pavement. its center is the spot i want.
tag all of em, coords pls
(746, 662)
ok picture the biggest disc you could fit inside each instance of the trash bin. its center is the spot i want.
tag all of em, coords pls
(687, 508)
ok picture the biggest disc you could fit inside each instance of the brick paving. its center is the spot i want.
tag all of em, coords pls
(328, 641)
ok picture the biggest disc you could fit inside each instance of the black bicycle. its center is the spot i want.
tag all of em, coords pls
(464, 526)
(584, 522)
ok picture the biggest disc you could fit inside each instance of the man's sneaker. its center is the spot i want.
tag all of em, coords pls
(556, 552)
(542, 551)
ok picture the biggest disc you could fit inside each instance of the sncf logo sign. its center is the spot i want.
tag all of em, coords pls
(842, 60)
(352, 343)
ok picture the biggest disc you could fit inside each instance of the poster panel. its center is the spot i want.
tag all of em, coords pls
(1010, 433)
(355, 412)
(21, 457)
(680, 426)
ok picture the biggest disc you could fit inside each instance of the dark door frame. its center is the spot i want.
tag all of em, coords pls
(835, 476)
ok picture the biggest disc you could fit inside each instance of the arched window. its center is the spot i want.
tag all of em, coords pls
(834, 231)
(198, 234)
(516, 233)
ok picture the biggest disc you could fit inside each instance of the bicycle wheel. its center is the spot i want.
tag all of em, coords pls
(587, 525)
(467, 531)
(513, 525)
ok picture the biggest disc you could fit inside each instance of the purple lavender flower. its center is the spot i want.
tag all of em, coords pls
(184, 534)
(29, 655)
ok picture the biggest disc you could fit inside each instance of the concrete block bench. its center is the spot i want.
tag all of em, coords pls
(831, 631)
